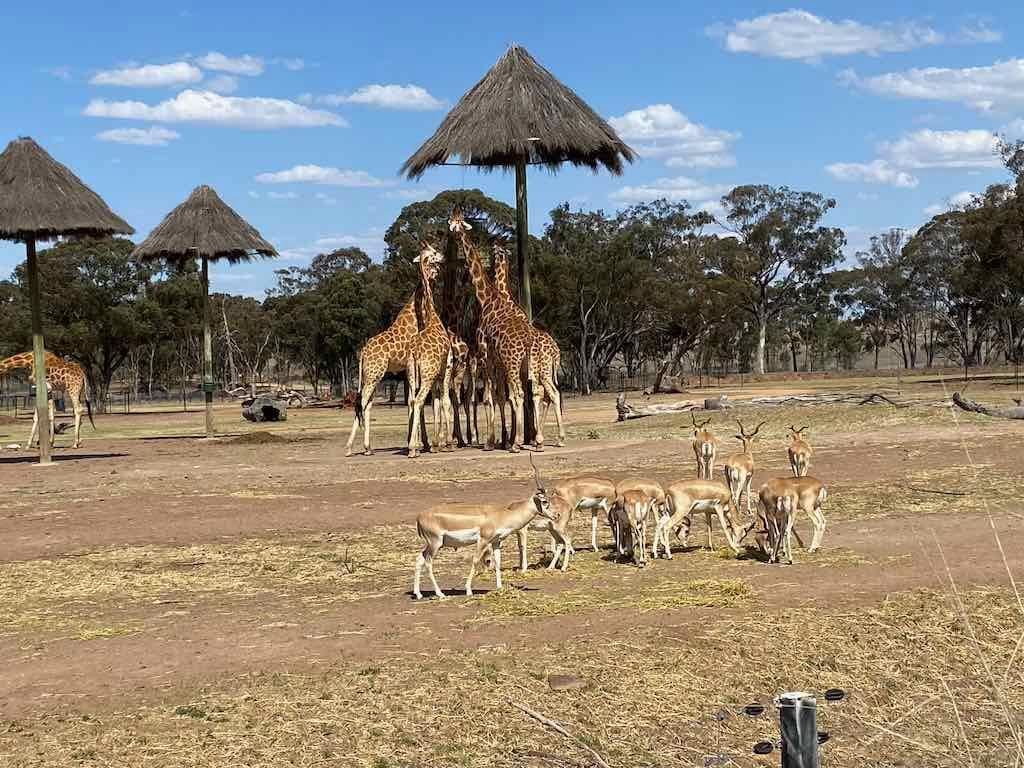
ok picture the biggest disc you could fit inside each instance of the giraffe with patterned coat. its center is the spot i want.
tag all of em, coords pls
(61, 376)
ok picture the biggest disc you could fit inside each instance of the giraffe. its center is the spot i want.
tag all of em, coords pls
(508, 334)
(429, 365)
(61, 376)
(463, 384)
(545, 358)
(387, 352)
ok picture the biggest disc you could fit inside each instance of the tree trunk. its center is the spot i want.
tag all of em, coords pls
(207, 349)
(522, 240)
(39, 351)
(762, 339)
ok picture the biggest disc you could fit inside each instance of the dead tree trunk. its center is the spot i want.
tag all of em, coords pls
(1017, 412)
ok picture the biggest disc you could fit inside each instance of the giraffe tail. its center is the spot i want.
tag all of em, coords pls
(88, 410)
(359, 395)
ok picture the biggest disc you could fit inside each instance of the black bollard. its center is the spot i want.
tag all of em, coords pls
(798, 723)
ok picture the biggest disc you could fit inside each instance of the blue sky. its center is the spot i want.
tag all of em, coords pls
(301, 113)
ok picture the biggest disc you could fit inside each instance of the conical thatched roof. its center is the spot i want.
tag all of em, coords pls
(204, 225)
(520, 110)
(41, 198)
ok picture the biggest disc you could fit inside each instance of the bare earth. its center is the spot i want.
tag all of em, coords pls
(139, 574)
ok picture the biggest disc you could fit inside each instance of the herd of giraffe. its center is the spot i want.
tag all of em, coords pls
(62, 376)
(507, 352)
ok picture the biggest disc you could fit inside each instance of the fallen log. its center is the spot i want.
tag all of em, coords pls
(627, 411)
(1017, 412)
(827, 398)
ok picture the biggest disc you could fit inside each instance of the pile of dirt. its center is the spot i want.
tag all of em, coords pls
(257, 438)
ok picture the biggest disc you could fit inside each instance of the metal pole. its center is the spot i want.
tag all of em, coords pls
(38, 352)
(207, 350)
(798, 724)
(522, 235)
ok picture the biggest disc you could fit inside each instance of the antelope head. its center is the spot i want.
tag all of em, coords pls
(698, 427)
(540, 496)
(797, 434)
(748, 438)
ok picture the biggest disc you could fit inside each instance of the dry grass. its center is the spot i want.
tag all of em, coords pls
(650, 700)
(74, 594)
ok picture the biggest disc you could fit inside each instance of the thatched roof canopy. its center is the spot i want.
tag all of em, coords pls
(521, 111)
(42, 199)
(204, 225)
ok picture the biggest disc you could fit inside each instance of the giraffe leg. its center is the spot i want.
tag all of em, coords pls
(516, 403)
(538, 420)
(35, 428)
(77, 407)
(53, 429)
(366, 401)
(554, 398)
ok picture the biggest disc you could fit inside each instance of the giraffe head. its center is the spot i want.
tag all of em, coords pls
(429, 258)
(457, 221)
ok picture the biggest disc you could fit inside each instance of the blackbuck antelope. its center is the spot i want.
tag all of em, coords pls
(799, 452)
(705, 448)
(778, 506)
(739, 467)
(630, 519)
(809, 496)
(712, 497)
(558, 528)
(650, 488)
(590, 493)
(484, 525)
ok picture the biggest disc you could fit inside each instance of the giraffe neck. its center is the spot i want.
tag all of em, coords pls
(427, 311)
(476, 271)
(501, 275)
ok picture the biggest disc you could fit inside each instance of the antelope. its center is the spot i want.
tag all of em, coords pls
(777, 508)
(705, 448)
(557, 528)
(591, 493)
(799, 452)
(631, 516)
(707, 496)
(650, 488)
(809, 495)
(739, 467)
(485, 525)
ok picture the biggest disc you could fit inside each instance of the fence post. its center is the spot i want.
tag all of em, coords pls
(798, 724)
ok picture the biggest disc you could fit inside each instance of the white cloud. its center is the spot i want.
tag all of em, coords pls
(959, 200)
(675, 189)
(1014, 129)
(293, 65)
(254, 194)
(409, 194)
(192, 106)
(979, 32)
(867, 196)
(318, 174)
(876, 172)
(659, 130)
(61, 73)
(150, 75)
(283, 195)
(996, 86)
(242, 65)
(371, 241)
(409, 97)
(154, 136)
(797, 34)
(326, 199)
(222, 84)
(943, 149)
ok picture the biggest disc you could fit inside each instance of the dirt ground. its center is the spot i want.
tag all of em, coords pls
(167, 600)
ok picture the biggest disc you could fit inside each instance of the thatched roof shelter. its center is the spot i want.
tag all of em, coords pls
(518, 115)
(204, 226)
(520, 111)
(42, 199)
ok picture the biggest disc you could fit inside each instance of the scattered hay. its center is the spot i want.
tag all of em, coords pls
(259, 437)
(651, 702)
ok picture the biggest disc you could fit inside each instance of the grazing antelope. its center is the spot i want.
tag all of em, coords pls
(705, 448)
(739, 467)
(558, 528)
(689, 496)
(809, 495)
(799, 452)
(651, 488)
(778, 506)
(485, 525)
(631, 516)
(590, 493)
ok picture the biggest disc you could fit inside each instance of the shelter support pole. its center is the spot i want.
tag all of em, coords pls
(798, 724)
(207, 350)
(38, 352)
(522, 242)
